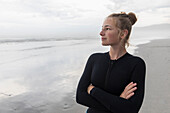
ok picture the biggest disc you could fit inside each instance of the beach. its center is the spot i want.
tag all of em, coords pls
(157, 93)
(42, 76)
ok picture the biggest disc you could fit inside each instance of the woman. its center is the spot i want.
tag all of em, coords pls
(113, 82)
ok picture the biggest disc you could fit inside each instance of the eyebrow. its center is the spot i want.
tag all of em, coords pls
(107, 26)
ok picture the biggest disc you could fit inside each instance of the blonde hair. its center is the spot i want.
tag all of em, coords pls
(125, 21)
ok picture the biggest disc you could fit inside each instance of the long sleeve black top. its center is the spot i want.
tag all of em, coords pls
(110, 77)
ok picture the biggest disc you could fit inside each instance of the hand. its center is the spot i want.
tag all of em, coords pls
(129, 90)
(90, 88)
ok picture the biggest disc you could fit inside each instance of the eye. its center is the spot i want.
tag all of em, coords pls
(107, 29)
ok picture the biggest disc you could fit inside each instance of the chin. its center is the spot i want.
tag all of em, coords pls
(103, 44)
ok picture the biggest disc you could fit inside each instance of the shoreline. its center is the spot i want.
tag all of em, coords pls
(56, 92)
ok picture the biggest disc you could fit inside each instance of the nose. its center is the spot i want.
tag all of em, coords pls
(102, 33)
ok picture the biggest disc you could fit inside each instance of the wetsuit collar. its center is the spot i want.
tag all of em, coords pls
(108, 56)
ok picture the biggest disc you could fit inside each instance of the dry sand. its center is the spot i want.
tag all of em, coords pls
(157, 94)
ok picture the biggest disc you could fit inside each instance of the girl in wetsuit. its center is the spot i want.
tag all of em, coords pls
(114, 81)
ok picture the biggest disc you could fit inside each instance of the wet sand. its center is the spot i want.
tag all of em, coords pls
(56, 92)
(36, 79)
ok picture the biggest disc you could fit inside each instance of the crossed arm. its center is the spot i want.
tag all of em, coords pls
(126, 94)
(97, 98)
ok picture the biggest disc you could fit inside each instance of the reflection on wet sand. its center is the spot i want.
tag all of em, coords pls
(43, 77)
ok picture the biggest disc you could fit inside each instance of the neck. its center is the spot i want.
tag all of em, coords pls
(116, 52)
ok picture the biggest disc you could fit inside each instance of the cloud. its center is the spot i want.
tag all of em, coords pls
(24, 9)
(136, 5)
(148, 12)
(58, 10)
(34, 17)
(26, 16)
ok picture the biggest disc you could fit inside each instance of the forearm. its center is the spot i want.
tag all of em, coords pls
(114, 103)
(85, 99)
(82, 97)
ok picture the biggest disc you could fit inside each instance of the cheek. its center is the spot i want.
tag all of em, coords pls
(113, 36)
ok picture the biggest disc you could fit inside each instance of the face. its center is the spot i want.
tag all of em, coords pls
(110, 33)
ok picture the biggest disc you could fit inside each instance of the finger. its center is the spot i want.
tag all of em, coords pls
(90, 85)
(130, 95)
(131, 90)
(130, 86)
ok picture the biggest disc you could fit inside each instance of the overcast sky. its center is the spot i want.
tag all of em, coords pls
(74, 17)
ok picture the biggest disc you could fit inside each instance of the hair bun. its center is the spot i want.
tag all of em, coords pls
(132, 18)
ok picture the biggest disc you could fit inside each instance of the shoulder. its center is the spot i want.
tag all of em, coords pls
(95, 55)
(136, 59)
(139, 60)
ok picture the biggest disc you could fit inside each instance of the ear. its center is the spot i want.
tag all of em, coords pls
(123, 33)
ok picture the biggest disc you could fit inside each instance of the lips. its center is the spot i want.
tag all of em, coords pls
(103, 38)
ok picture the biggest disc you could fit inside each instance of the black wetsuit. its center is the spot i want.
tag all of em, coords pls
(110, 77)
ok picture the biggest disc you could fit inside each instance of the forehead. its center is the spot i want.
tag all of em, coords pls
(109, 22)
